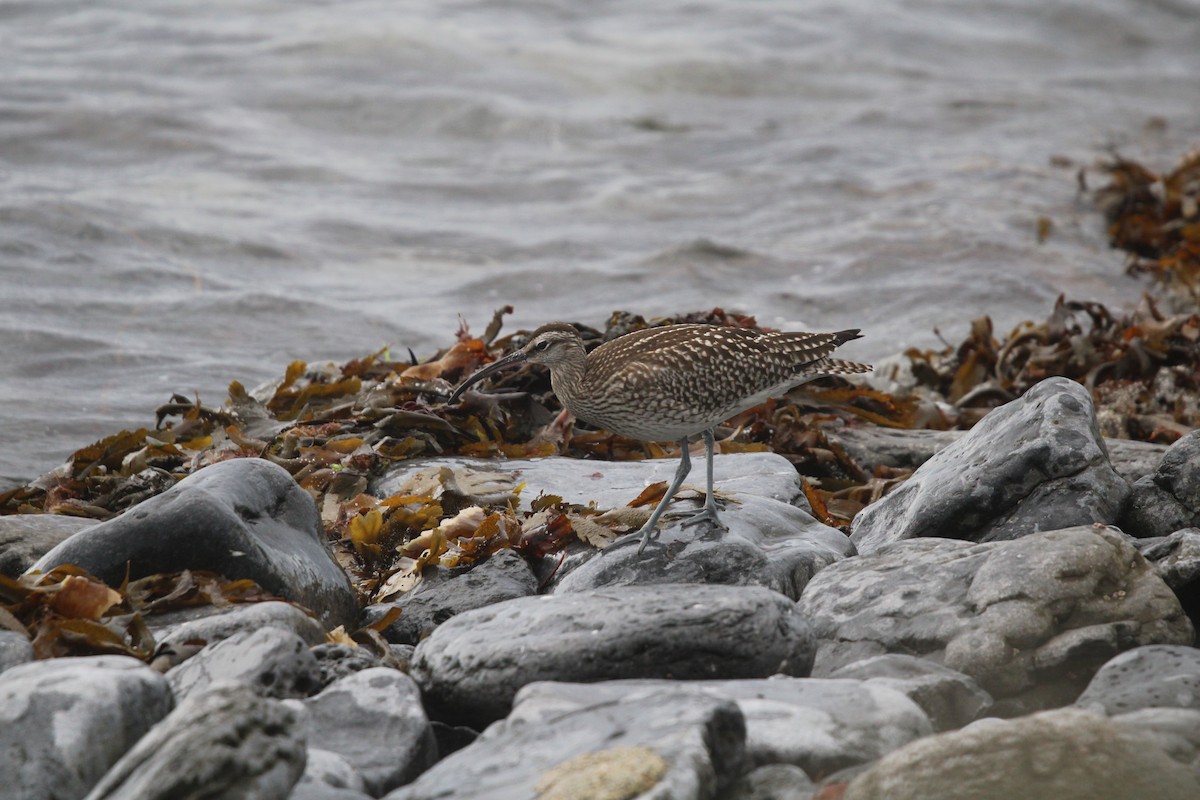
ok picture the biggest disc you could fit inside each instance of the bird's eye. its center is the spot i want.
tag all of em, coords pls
(542, 346)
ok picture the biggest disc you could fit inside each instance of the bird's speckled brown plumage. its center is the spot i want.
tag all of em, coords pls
(661, 384)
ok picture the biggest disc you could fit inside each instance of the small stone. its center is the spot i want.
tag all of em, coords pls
(24, 538)
(950, 698)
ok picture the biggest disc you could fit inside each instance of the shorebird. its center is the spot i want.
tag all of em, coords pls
(673, 383)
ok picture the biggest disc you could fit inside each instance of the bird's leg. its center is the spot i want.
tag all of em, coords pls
(709, 512)
(685, 466)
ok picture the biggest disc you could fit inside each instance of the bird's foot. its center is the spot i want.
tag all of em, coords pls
(648, 533)
(707, 514)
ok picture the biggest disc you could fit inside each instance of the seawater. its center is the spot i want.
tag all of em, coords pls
(196, 193)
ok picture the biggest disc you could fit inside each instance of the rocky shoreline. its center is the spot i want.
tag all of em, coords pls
(1016, 619)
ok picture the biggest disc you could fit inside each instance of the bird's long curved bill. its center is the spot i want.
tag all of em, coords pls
(508, 361)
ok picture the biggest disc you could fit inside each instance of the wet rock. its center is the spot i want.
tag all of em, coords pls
(1155, 676)
(243, 518)
(274, 662)
(65, 721)
(774, 782)
(1168, 500)
(15, 648)
(210, 624)
(1065, 754)
(442, 595)
(230, 740)
(950, 698)
(374, 720)
(1176, 558)
(472, 666)
(1037, 463)
(667, 743)
(24, 538)
(818, 725)
(336, 661)
(1030, 620)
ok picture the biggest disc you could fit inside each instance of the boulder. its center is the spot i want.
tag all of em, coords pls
(274, 662)
(471, 667)
(1155, 676)
(1176, 558)
(950, 698)
(243, 518)
(818, 725)
(1168, 500)
(66, 721)
(1066, 754)
(372, 719)
(667, 743)
(15, 648)
(1035, 464)
(211, 624)
(229, 740)
(1029, 620)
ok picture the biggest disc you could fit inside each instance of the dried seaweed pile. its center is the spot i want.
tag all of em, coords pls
(1143, 368)
(1156, 220)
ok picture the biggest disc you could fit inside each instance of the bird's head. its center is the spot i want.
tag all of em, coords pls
(552, 345)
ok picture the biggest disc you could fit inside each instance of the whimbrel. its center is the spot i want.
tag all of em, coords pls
(674, 382)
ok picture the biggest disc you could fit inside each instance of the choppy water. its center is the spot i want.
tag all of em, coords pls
(193, 193)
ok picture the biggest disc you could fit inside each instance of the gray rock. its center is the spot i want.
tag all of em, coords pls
(1037, 463)
(330, 769)
(472, 666)
(441, 595)
(274, 662)
(321, 791)
(374, 720)
(1168, 500)
(1175, 731)
(243, 518)
(24, 538)
(210, 624)
(774, 782)
(65, 721)
(898, 448)
(336, 661)
(769, 543)
(15, 648)
(1065, 754)
(950, 698)
(229, 740)
(1176, 558)
(818, 725)
(1030, 620)
(1155, 676)
(669, 744)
